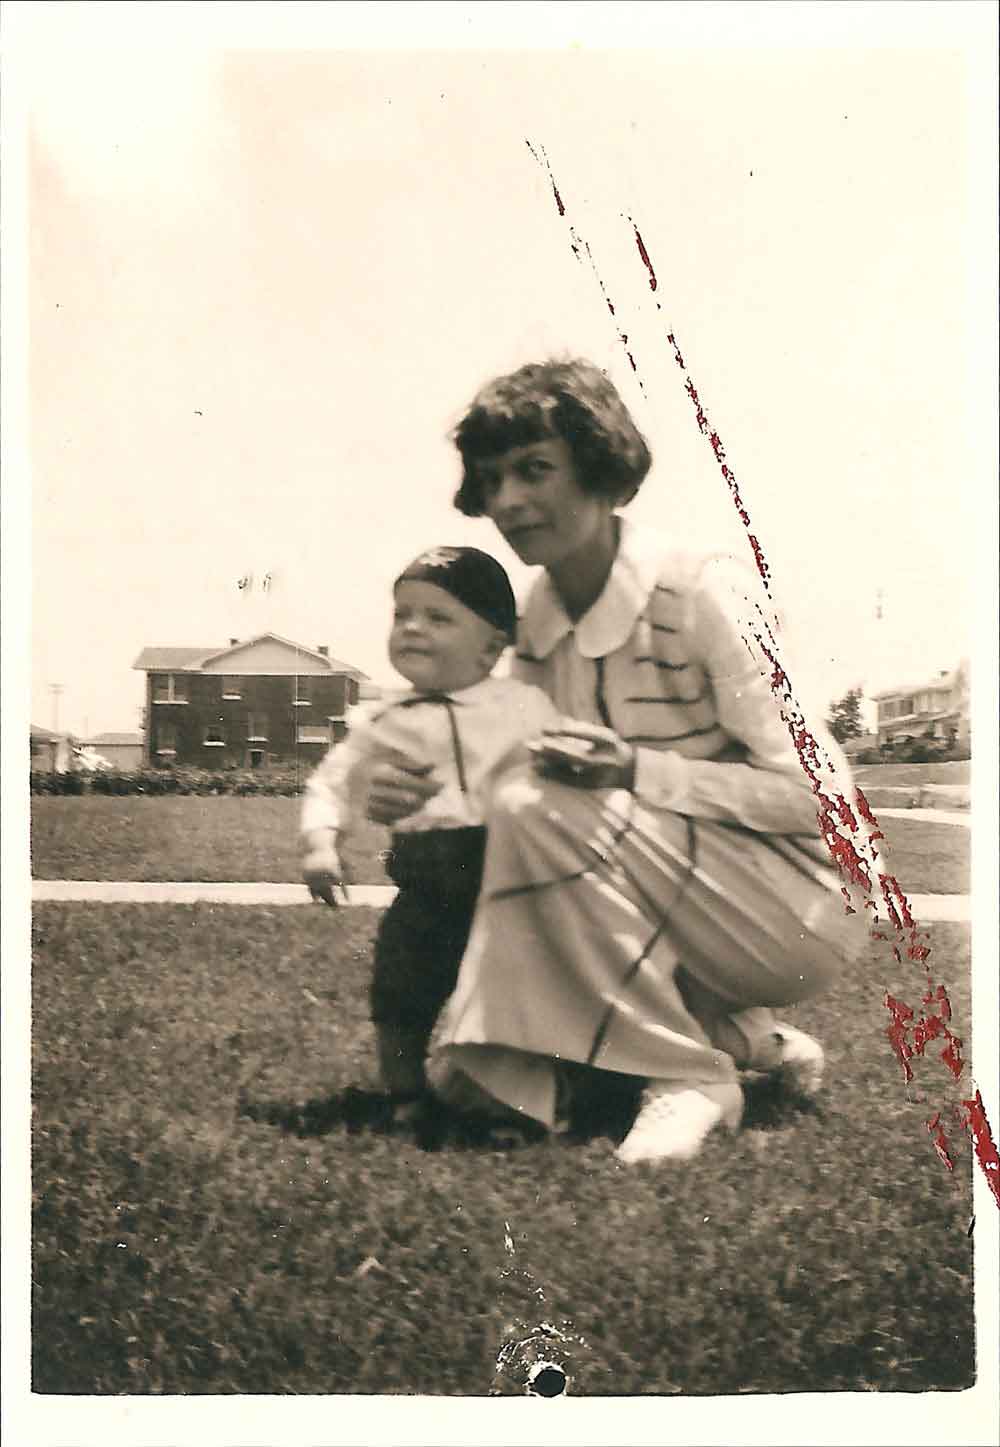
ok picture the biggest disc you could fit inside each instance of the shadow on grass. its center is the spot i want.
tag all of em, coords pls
(769, 1103)
(357, 1111)
(604, 1105)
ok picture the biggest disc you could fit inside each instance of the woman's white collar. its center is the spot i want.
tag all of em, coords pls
(608, 623)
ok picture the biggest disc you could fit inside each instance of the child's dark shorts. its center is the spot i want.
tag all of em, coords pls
(424, 931)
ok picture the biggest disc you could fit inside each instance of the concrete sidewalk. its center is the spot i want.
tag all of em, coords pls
(102, 891)
(932, 816)
(927, 908)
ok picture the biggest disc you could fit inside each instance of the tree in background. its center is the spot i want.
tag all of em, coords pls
(844, 720)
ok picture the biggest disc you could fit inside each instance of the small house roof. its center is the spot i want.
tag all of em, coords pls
(172, 660)
(240, 646)
(941, 683)
(44, 736)
(192, 660)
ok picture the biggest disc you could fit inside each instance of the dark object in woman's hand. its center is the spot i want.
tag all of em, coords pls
(584, 755)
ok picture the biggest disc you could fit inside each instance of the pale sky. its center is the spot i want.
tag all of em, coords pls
(264, 285)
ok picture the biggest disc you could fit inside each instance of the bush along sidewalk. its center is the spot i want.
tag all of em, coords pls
(287, 780)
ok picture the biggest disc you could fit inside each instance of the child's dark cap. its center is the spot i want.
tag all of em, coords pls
(473, 577)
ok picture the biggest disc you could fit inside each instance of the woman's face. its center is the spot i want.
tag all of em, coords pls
(534, 497)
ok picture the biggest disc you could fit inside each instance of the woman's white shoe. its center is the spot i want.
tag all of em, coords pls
(802, 1060)
(674, 1121)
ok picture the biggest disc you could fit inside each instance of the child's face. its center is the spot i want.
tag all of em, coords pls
(437, 642)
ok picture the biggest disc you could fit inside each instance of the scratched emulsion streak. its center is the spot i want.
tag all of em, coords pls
(852, 847)
(525, 1355)
(579, 246)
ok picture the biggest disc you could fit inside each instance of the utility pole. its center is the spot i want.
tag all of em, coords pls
(55, 689)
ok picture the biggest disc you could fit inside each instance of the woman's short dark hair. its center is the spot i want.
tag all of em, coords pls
(573, 400)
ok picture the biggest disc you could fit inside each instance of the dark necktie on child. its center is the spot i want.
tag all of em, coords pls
(456, 742)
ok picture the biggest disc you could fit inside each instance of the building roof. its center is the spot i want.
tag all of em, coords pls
(113, 738)
(172, 660)
(240, 644)
(44, 736)
(943, 682)
(192, 660)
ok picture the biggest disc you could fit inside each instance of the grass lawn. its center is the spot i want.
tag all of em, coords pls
(99, 836)
(955, 772)
(108, 837)
(214, 1212)
(926, 858)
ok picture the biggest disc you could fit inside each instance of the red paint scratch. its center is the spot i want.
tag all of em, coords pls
(645, 256)
(898, 1031)
(910, 1034)
(864, 809)
(982, 1139)
(851, 844)
(580, 247)
(544, 160)
(936, 1130)
(891, 889)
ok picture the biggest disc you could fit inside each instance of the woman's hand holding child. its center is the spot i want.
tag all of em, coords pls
(398, 788)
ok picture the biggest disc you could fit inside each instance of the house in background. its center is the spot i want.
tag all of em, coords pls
(123, 751)
(50, 753)
(369, 691)
(859, 744)
(259, 701)
(938, 709)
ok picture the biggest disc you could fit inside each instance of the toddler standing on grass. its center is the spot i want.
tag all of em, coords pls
(454, 616)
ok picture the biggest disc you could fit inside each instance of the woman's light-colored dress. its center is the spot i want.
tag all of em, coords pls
(592, 899)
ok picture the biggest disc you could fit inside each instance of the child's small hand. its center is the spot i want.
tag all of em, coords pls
(322, 873)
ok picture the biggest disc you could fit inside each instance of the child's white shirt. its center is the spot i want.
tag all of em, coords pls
(494, 719)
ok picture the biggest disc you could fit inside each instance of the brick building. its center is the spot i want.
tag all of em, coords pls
(257, 702)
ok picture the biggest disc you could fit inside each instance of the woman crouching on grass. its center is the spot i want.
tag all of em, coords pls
(656, 881)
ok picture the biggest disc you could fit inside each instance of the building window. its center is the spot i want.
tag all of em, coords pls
(303, 693)
(257, 728)
(232, 687)
(169, 688)
(313, 735)
(345, 695)
(166, 739)
(214, 737)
